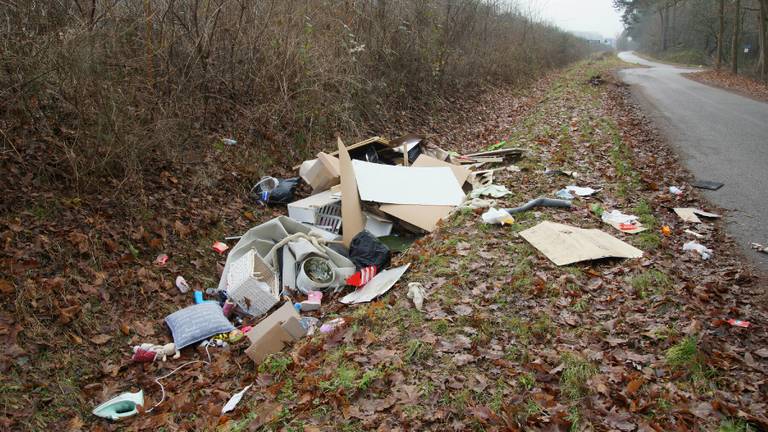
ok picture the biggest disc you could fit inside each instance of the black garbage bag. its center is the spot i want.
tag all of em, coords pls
(366, 250)
(280, 194)
(283, 193)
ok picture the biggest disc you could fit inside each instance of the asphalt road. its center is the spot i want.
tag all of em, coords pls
(720, 136)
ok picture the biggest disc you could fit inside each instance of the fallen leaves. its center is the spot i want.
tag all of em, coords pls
(101, 339)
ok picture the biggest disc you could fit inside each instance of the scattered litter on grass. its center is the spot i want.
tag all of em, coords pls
(623, 222)
(182, 284)
(689, 214)
(492, 190)
(580, 191)
(572, 174)
(220, 247)
(161, 260)
(739, 323)
(701, 249)
(417, 293)
(331, 325)
(694, 233)
(674, 190)
(234, 400)
(497, 217)
(337, 239)
(478, 203)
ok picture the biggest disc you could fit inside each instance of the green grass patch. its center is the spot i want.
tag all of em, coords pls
(275, 364)
(344, 377)
(686, 356)
(735, 425)
(527, 381)
(573, 381)
(650, 282)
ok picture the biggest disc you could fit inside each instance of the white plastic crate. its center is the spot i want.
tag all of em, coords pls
(251, 284)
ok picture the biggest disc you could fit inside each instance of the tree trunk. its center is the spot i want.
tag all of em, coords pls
(663, 19)
(148, 41)
(720, 36)
(763, 40)
(735, 40)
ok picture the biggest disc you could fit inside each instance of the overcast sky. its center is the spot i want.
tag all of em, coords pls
(578, 15)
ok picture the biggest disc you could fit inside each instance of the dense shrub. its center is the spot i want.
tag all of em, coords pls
(106, 88)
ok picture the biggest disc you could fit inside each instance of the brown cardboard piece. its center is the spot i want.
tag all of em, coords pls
(274, 332)
(564, 244)
(690, 214)
(377, 141)
(352, 218)
(324, 173)
(426, 217)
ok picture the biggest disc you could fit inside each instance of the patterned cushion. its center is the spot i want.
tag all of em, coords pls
(196, 323)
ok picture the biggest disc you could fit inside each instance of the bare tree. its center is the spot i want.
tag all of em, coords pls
(735, 38)
(720, 35)
(763, 28)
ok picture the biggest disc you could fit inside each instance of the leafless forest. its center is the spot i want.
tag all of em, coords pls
(109, 89)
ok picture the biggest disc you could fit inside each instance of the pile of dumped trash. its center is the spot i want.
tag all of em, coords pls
(369, 200)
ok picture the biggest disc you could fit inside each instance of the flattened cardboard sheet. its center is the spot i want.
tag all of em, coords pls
(352, 218)
(388, 184)
(426, 217)
(689, 214)
(564, 244)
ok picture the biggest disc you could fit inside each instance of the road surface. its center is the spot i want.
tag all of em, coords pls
(720, 136)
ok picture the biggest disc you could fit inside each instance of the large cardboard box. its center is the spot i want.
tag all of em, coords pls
(322, 173)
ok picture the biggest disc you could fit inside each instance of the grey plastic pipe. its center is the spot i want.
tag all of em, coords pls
(540, 202)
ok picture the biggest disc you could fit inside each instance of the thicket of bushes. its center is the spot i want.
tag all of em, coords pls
(106, 88)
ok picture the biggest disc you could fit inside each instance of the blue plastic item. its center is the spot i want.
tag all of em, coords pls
(121, 406)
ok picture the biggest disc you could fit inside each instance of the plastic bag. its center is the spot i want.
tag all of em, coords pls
(704, 251)
(275, 191)
(497, 217)
(366, 250)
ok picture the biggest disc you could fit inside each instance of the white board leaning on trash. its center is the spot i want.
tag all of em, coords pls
(388, 184)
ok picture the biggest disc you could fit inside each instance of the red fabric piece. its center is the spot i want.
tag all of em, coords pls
(144, 356)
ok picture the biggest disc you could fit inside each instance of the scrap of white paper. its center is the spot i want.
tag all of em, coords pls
(376, 286)
(234, 400)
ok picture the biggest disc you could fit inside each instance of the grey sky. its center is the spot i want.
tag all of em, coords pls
(577, 15)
